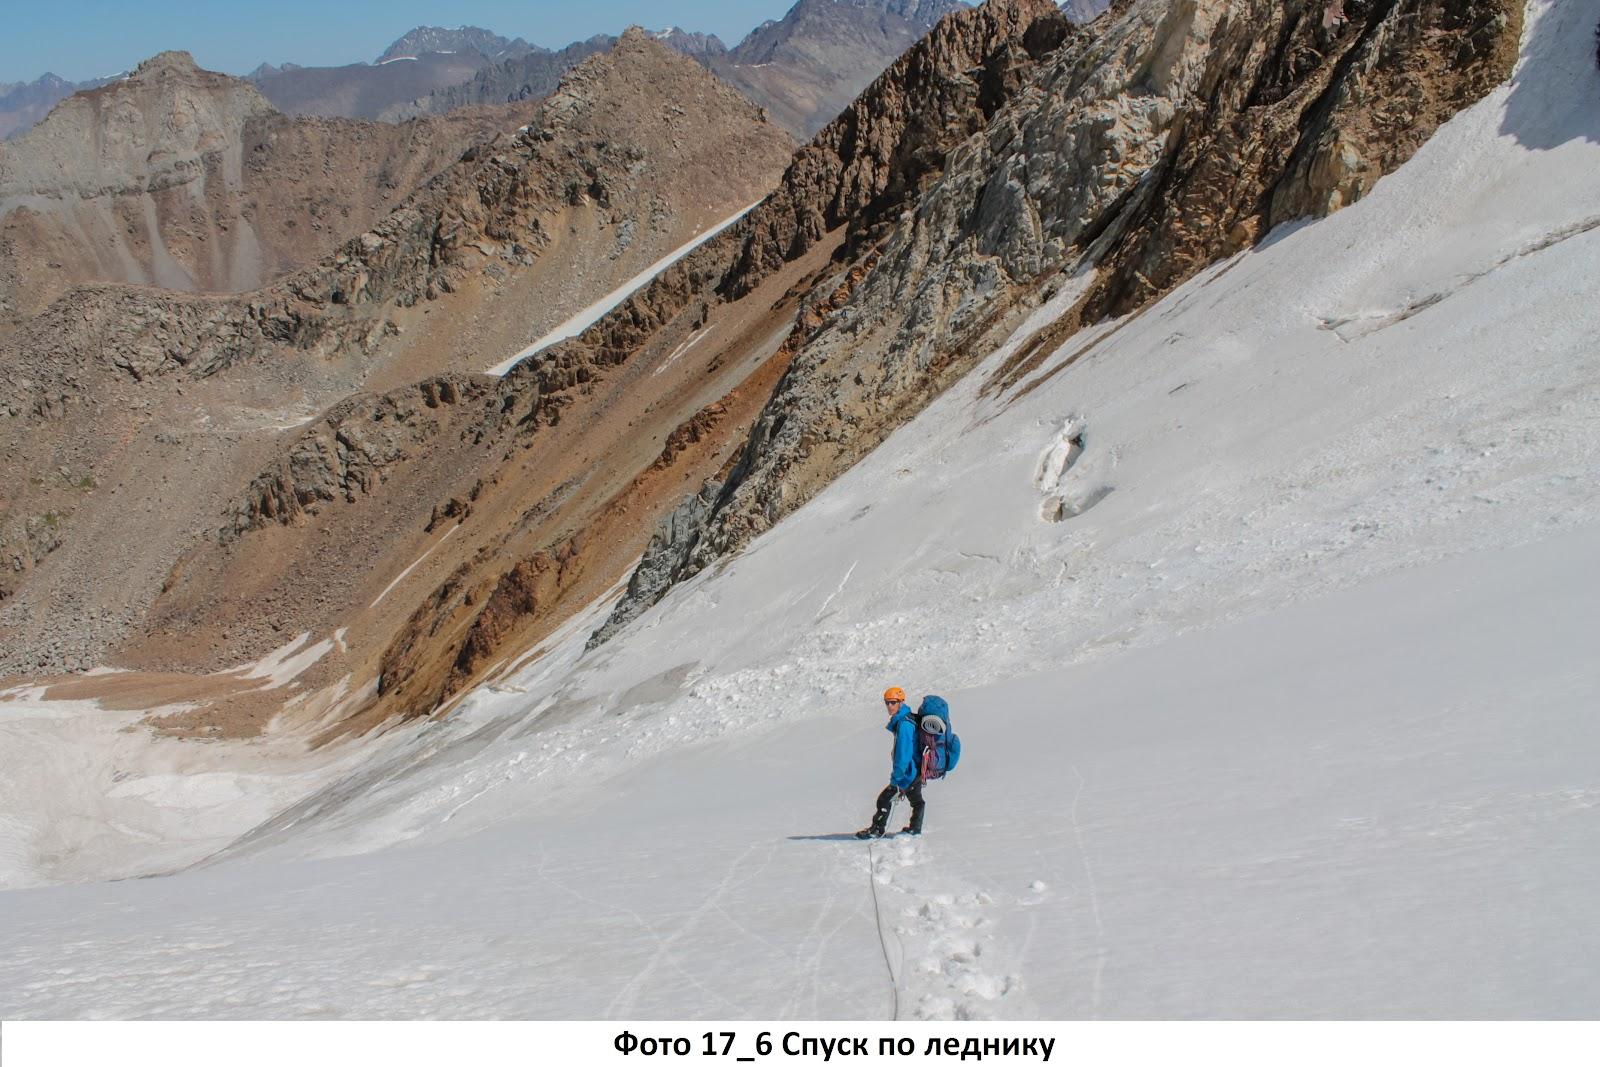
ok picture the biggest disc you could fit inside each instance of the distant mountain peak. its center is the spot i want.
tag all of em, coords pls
(425, 39)
(805, 67)
(690, 43)
(1082, 11)
(22, 104)
(926, 12)
(172, 60)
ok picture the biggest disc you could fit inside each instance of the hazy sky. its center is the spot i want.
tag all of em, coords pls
(91, 38)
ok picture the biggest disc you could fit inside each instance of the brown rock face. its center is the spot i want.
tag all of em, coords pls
(517, 596)
(193, 409)
(1335, 106)
(1171, 135)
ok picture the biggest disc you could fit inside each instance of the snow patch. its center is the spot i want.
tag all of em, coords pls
(285, 664)
(415, 564)
(598, 310)
(683, 348)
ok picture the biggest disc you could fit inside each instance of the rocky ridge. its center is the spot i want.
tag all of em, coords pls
(426, 39)
(1170, 137)
(529, 76)
(189, 179)
(488, 208)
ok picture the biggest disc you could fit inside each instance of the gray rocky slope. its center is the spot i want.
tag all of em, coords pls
(807, 66)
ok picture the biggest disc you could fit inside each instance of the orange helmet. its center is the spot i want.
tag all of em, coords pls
(894, 692)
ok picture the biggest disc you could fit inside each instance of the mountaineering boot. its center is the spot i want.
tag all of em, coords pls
(871, 831)
(913, 830)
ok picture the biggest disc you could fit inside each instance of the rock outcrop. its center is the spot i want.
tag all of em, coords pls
(1173, 135)
(348, 453)
(874, 159)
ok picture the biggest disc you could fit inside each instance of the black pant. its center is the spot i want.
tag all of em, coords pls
(880, 818)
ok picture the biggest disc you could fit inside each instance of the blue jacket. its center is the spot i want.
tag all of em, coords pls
(904, 769)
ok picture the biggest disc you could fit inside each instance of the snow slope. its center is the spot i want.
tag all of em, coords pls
(1267, 620)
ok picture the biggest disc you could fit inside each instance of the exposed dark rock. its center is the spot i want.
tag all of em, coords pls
(350, 450)
(676, 538)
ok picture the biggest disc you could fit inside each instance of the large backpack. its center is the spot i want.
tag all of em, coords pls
(938, 747)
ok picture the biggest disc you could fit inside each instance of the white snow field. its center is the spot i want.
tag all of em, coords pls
(1278, 691)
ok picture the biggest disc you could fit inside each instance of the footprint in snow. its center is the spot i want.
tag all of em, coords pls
(950, 971)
